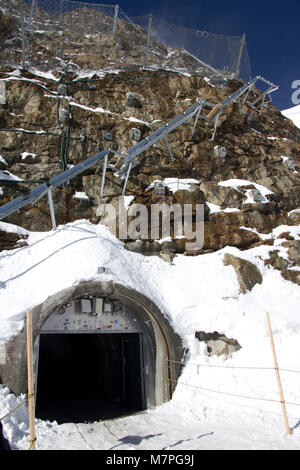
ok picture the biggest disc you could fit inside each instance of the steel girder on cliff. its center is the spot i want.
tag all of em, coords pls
(241, 96)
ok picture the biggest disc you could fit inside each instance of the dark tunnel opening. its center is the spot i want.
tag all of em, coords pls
(89, 377)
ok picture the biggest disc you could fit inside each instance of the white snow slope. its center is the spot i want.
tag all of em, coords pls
(195, 293)
(293, 114)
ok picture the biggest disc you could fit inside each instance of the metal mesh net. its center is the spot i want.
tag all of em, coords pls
(44, 33)
(220, 52)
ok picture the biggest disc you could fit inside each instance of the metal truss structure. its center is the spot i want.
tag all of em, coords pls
(129, 158)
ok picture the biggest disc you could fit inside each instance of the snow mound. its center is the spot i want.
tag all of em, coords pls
(293, 114)
(195, 294)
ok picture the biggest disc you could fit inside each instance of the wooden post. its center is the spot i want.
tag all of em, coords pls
(30, 380)
(285, 417)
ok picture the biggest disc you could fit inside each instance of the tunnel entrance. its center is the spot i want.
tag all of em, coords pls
(100, 350)
(94, 359)
(88, 377)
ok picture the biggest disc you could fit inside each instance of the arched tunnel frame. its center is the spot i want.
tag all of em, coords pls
(168, 354)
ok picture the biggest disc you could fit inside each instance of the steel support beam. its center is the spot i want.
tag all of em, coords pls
(103, 176)
(169, 148)
(126, 179)
(129, 157)
(52, 213)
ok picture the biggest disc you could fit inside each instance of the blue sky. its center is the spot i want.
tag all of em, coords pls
(272, 28)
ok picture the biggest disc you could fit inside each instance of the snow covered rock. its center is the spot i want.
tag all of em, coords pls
(248, 274)
(217, 344)
(10, 238)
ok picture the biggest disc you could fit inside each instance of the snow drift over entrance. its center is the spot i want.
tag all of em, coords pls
(195, 294)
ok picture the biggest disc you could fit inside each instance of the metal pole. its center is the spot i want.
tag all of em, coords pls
(148, 39)
(115, 20)
(50, 201)
(196, 119)
(169, 148)
(103, 176)
(237, 71)
(59, 16)
(33, 5)
(215, 127)
(126, 180)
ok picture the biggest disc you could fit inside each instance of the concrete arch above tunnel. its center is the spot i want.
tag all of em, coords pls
(134, 359)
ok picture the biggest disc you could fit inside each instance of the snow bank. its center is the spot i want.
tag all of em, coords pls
(80, 195)
(176, 184)
(237, 183)
(293, 114)
(195, 294)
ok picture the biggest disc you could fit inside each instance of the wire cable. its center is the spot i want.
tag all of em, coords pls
(233, 394)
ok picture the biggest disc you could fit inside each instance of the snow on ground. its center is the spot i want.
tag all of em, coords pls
(195, 293)
(2, 160)
(27, 154)
(13, 228)
(47, 75)
(236, 183)
(80, 195)
(293, 114)
(216, 208)
(176, 184)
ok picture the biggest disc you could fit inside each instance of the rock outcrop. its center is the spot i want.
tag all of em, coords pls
(218, 344)
(10, 241)
(248, 274)
(50, 122)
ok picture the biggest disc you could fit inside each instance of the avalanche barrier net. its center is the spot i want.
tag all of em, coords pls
(83, 34)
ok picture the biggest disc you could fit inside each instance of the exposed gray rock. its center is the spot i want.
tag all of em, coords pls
(220, 151)
(295, 217)
(292, 276)
(159, 188)
(133, 100)
(277, 261)
(10, 241)
(167, 255)
(135, 134)
(247, 273)
(221, 195)
(218, 344)
(256, 195)
(293, 251)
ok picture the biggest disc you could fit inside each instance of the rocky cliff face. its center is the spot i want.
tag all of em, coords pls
(117, 109)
